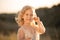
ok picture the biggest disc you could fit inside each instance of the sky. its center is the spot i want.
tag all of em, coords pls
(13, 6)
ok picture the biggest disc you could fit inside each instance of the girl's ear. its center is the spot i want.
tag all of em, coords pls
(23, 17)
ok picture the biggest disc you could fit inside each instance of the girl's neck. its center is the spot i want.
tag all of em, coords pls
(26, 24)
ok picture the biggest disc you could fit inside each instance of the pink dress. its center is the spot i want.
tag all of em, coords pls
(28, 34)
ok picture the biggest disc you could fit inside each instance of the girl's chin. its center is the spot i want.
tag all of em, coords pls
(28, 21)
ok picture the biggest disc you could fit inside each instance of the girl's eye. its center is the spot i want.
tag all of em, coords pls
(31, 15)
(27, 14)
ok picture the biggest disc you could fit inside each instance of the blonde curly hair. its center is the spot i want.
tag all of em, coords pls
(20, 14)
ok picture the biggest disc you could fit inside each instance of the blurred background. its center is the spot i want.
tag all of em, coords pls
(49, 15)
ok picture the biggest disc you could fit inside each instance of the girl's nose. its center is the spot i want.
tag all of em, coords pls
(29, 16)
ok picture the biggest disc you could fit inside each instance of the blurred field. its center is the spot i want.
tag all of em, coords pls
(11, 36)
(49, 16)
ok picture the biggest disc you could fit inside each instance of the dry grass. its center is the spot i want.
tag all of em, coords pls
(12, 36)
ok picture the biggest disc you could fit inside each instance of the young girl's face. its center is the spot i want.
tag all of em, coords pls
(28, 15)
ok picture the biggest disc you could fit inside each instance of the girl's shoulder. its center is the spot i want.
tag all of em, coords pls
(20, 29)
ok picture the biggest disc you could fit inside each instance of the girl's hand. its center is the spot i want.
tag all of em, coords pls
(36, 19)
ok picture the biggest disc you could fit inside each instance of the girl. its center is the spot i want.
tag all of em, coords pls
(28, 30)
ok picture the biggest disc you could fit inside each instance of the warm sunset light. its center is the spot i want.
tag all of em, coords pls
(15, 5)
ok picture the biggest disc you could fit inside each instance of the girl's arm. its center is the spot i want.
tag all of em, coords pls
(40, 27)
(20, 35)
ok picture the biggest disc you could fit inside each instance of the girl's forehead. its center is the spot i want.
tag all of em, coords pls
(29, 10)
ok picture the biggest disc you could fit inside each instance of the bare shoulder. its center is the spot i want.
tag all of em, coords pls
(20, 34)
(20, 31)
